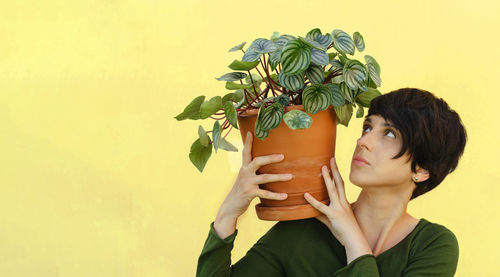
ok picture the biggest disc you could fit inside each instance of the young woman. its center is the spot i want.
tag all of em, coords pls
(410, 141)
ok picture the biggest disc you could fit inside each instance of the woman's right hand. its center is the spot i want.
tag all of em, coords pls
(246, 186)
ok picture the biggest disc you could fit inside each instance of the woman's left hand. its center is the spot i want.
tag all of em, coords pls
(338, 216)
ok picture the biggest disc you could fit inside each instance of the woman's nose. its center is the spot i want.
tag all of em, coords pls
(365, 141)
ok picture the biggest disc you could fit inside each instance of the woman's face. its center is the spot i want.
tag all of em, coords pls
(379, 142)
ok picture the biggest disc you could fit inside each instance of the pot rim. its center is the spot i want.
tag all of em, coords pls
(253, 112)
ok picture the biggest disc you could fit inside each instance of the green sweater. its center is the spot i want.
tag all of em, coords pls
(306, 247)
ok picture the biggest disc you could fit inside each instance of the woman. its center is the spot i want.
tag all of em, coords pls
(410, 141)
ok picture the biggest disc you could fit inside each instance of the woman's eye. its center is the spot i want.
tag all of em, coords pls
(391, 132)
(365, 127)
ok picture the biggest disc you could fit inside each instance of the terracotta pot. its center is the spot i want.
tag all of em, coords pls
(306, 151)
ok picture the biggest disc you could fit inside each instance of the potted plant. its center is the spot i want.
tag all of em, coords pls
(305, 87)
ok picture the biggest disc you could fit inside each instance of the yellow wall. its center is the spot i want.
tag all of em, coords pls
(95, 178)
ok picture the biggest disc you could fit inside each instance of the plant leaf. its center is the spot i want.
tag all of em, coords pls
(297, 119)
(373, 70)
(251, 56)
(344, 114)
(323, 40)
(199, 154)
(216, 132)
(292, 82)
(343, 42)
(354, 74)
(283, 99)
(259, 132)
(337, 98)
(237, 47)
(262, 45)
(232, 76)
(232, 96)
(204, 138)
(230, 113)
(315, 74)
(240, 65)
(295, 57)
(316, 97)
(275, 36)
(274, 59)
(191, 109)
(208, 108)
(366, 97)
(319, 57)
(360, 111)
(359, 41)
(271, 116)
(225, 145)
(233, 86)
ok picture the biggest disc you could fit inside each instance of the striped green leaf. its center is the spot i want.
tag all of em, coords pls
(274, 59)
(344, 114)
(275, 36)
(292, 82)
(312, 44)
(336, 64)
(240, 65)
(271, 116)
(216, 133)
(316, 97)
(347, 93)
(262, 45)
(355, 74)
(282, 41)
(358, 41)
(237, 47)
(251, 56)
(297, 119)
(360, 111)
(259, 132)
(204, 138)
(230, 113)
(337, 98)
(199, 154)
(232, 76)
(295, 57)
(323, 40)
(343, 42)
(315, 74)
(283, 99)
(373, 70)
(319, 57)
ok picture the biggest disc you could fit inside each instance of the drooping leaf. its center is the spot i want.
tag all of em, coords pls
(366, 97)
(373, 70)
(292, 82)
(240, 65)
(360, 111)
(208, 108)
(233, 86)
(232, 76)
(315, 74)
(262, 45)
(295, 57)
(204, 138)
(316, 97)
(355, 75)
(237, 47)
(343, 42)
(251, 56)
(358, 41)
(319, 57)
(344, 114)
(225, 145)
(216, 132)
(231, 114)
(191, 109)
(232, 96)
(337, 98)
(297, 119)
(199, 154)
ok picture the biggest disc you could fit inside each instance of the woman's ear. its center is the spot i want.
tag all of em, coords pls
(421, 174)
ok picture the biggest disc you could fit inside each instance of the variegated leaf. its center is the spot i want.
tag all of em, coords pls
(251, 56)
(319, 57)
(237, 47)
(272, 116)
(275, 36)
(323, 40)
(343, 42)
(316, 97)
(297, 119)
(359, 41)
(344, 114)
(354, 74)
(295, 57)
(336, 64)
(346, 92)
(274, 59)
(311, 43)
(292, 82)
(259, 132)
(373, 70)
(337, 98)
(315, 74)
(232, 76)
(281, 42)
(283, 99)
(262, 45)
(216, 133)
(360, 111)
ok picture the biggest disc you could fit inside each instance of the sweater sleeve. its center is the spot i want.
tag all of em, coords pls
(436, 257)
(261, 260)
(365, 265)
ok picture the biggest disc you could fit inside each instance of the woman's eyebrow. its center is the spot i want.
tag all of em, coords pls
(385, 123)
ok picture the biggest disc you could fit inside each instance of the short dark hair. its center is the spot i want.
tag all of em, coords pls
(432, 133)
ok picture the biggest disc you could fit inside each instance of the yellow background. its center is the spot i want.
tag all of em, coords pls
(95, 178)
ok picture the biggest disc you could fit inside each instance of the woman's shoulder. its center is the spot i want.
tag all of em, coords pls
(432, 236)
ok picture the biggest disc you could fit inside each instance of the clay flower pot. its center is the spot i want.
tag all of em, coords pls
(306, 151)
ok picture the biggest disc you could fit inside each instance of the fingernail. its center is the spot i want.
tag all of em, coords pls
(283, 195)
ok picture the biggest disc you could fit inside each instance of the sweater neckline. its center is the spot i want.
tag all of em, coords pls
(417, 227)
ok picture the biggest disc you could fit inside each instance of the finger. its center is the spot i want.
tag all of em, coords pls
(332, 191)
(267, 178)
(271, 195)
(316, 204)
(338, 181)
(263, 160)
(247, 149)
